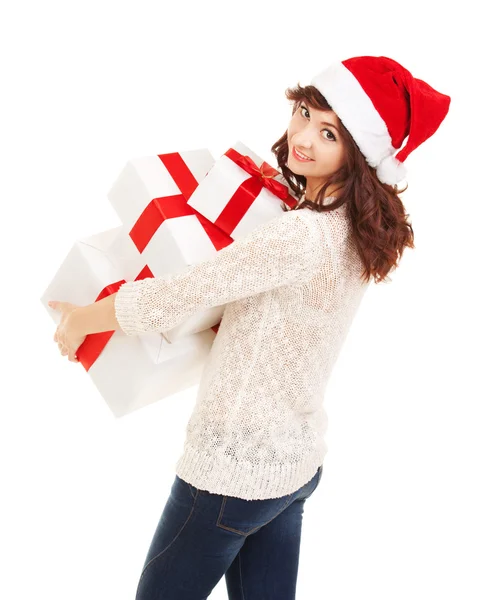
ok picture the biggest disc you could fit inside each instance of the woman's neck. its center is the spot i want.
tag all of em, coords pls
(327, 199)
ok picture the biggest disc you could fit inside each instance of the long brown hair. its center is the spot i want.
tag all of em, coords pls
(378, 219)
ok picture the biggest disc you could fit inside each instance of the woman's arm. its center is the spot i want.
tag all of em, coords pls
(96, 317)
(281, 251)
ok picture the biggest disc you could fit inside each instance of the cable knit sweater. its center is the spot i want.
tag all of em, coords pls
(290, 289)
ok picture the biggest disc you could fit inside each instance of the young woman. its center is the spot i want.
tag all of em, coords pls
(255, 442)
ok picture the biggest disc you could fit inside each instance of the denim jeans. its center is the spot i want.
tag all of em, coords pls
(201, 536)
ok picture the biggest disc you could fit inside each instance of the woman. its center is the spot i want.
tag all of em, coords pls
(291, 288)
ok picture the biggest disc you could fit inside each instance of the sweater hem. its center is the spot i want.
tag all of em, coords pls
(227, 476)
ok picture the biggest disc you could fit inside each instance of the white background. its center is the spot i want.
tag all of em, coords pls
(86, 86)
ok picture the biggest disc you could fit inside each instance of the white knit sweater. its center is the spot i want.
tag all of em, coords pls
(291, 289)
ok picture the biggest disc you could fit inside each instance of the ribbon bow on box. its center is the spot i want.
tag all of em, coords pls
(236, 203)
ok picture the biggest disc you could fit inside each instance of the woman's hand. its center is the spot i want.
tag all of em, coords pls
(67, 336)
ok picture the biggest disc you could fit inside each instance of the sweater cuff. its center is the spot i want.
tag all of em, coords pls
(126, 312)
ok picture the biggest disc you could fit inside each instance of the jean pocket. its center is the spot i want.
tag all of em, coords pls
(247, 516)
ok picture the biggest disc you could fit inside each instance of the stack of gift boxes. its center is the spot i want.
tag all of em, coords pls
(176, 209)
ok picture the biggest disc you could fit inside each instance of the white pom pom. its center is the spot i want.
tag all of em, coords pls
(391, 170)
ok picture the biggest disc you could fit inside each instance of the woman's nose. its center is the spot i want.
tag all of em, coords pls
(304, 138)
(303, 143)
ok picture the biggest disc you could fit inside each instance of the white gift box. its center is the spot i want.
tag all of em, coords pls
(144, 179)
(131, 371)
(215, 191)
(166, 233)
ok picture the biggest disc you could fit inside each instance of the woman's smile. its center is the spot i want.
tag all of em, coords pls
(299, 156)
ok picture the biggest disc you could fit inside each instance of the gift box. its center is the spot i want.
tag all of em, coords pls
(150, 197)
(130, 372)
(240, 192)
(145, 180)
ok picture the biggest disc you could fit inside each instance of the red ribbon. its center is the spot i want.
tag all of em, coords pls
(249, 190)
(265, 172)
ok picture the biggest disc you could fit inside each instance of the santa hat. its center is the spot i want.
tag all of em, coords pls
(380, 103)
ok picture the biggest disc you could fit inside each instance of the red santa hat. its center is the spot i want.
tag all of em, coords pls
(380, 103)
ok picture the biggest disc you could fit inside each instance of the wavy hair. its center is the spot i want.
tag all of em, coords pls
(379, 223)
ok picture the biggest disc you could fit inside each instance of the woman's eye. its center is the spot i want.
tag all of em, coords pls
(333, 138)
(304, 108)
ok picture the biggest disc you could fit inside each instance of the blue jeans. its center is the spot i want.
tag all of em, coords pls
(201, 536)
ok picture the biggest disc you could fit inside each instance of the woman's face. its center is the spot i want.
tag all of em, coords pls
(315, 134)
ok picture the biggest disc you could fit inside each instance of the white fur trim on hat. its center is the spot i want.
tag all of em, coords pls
(358, 114)
(391, 170)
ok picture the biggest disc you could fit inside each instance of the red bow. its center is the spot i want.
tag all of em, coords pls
(265, 173)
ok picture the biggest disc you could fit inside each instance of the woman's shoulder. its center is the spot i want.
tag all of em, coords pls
(311, 215)
(333, 226)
